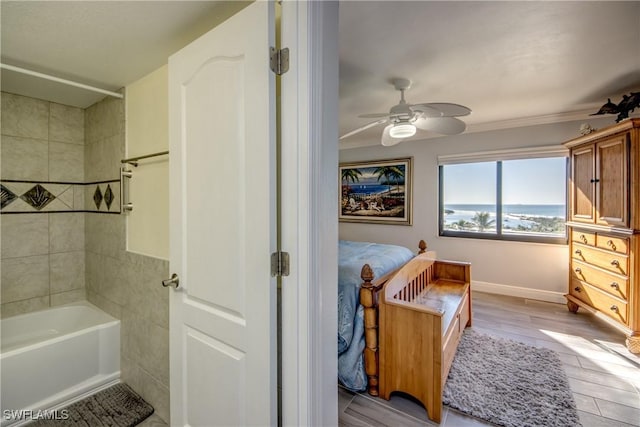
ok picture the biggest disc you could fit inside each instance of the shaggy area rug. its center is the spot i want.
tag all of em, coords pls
(509, 383)
(116, 406)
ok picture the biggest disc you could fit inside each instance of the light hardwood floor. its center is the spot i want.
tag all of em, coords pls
(604, 376)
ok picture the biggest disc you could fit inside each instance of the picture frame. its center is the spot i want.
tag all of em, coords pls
(376, 192)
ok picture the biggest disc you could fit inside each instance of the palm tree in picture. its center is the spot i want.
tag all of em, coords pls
(389, 172)
(352, 175)
(481, 219)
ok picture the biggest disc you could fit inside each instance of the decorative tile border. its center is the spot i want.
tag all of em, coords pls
(103, 197)
(19, 197)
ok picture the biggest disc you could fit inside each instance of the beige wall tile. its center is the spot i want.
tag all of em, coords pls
(151, 390)
(130, 373)
(24, 158)
(24, 278)
(78, 197)
(134, 332)
(104, 304)
(66, 196)
(146, 344)
(66, 162)
(68, 297)
(56, 205)
(18, 188)
(114, 285)
(67, 271)
(18, 205)
(102, 159)
(91, 124)
(157, 395)
(25, 235)
(66, 124)
(105, 234)
(157, 363)
(104, 119)
(149, 299)
(24, 116)
(94, 271)
(66, 232)
(24, 306)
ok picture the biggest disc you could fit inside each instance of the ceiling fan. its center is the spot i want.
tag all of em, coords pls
(404, 119)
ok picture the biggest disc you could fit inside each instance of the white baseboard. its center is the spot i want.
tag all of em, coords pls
(517, 291)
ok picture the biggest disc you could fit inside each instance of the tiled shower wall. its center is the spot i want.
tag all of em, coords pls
(42, 158)
(122, 283)
(55, 258)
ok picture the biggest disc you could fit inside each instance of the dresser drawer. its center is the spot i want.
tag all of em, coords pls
(614, 262)
(583, 237)
(614, 284)
(599, 300)
(611, 243)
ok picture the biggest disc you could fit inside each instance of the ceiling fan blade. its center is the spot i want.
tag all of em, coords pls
(387, 140)
(447, 109)
(363, 128)
(427, 110)
(373, 115)
(442, 125)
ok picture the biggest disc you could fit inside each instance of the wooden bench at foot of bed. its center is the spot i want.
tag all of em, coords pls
(422, 311)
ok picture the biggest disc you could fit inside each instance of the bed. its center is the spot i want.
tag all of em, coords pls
(400, 321)
(352, 256)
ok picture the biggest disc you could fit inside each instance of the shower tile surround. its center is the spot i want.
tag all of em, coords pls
(77, 253)
(43, 258)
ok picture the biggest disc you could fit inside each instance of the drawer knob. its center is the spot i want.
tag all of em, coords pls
(611, 244)
(583, 238)
(578, 270)
(615, 285)
(578, 252)
(614, 308)
(615, 262)
(577, 289)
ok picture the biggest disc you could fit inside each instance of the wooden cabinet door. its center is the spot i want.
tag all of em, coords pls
(582, 184)
(612, 207)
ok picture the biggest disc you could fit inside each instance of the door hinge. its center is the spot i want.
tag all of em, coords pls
(279, 60)
(279, 264)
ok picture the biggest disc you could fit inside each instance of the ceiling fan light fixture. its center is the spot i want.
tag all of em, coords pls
(402, 130)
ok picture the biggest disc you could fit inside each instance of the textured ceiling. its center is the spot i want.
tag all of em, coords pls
(108, 44)
(512, 63)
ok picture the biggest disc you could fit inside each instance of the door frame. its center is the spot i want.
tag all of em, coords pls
(309, 207)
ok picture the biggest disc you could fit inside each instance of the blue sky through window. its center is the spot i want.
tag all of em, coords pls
(528, 181)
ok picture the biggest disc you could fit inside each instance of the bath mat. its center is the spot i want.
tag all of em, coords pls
(509, 383)
(116, 406)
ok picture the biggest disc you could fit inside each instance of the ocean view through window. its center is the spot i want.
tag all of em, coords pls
(514, 199)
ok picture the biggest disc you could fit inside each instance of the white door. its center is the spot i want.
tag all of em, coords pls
(222, 144)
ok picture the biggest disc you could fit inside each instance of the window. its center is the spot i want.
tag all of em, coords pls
(508, 198)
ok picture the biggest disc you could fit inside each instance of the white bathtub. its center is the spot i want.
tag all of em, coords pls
(56, 356)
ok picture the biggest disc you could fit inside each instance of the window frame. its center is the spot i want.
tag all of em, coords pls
(498, 157)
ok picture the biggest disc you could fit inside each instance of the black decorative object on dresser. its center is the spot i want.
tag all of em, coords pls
(604, 227)
(628, 104)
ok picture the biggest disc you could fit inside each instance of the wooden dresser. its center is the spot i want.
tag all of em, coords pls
(604, 227)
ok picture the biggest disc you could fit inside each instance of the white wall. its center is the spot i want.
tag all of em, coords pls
(532, 270)
(147, 132)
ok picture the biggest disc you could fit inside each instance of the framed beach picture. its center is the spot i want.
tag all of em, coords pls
(376, 191)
